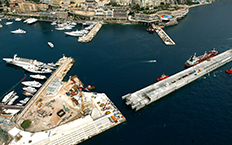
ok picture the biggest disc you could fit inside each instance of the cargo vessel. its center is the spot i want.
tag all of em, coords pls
(194, 60)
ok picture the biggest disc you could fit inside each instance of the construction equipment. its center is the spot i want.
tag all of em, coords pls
(82, 101)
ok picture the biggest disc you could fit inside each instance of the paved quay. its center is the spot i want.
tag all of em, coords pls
(154, 92)
(64, 114)
(91, 34)
(65, 65)
(163, 35)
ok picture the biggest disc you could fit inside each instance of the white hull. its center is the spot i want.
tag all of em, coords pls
(50, 44)
(29, 89)
(12, 100)
(18, 31)
(32, 84)
(41, 77)
(6, 98)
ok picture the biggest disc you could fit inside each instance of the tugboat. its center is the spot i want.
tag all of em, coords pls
(193, 60)
(150, 30)
(163, 76)
(229, 71)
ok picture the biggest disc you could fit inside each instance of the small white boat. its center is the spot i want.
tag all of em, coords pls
(7, 97)
(59, 28)
(152, 61)
(18, 19)
(53, 23)
(37, 69)
(0, 26)
(18, 31)
(32, 84)
(41, 77)
(9, 23)
(27, 94)
(50, 44)
(24, 101)
(52, 64)
(18, 104)
(29, 89)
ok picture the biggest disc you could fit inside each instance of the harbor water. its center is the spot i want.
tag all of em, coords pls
(118, 61)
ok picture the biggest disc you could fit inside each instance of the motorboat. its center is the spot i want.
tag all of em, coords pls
(32, 21)
(54, 23)
(68, 27)
(0, 25)
(37, 69)
(51, 44)
(229, 71)
(18, 19)
(18, 104)
(29, 89)
(73, 23)
(163, 76)
(24, 101)
(75, 33)
(12, 100)
(9, 23)
(7, 97)
(18, 31)
(40, 77)
(52, 64)
(34, 84)
(27, 94)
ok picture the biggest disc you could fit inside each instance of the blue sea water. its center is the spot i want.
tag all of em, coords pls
(116, 62)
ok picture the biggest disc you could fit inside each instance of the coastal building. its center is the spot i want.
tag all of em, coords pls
(55, 3)
(42, 7)
(147, 3)
(65, 4)
(99, 13)
(27, 7)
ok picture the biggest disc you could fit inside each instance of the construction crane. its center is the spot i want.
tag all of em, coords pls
(82, 101)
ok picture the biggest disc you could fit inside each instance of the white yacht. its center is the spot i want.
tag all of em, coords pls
(27, 94)
(29, 89)
(75, 33)
(69, 27)
(18, 31)
(54, 23)
(52, 64)
(51, 44)
(0, 25)
(12, 100)
(7, 97)
(34, 84)
(30, 65)
(32, 20)
(37, 69)
(18, 104)
(18, 19)
(9, 23)
(40, 77)
(24, 101)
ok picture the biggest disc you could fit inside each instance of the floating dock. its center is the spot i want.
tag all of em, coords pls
(145, 96)
(91, 34)
(163, 35)
(61, 113)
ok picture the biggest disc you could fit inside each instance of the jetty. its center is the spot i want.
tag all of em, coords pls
(154, 92)
(91, 34)
(163, 35)
(61, 113)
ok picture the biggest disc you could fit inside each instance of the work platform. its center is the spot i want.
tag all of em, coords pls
(61, 113)
(147, 95)
(163, 35)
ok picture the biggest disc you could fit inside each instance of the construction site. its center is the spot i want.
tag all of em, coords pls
(64, 108)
